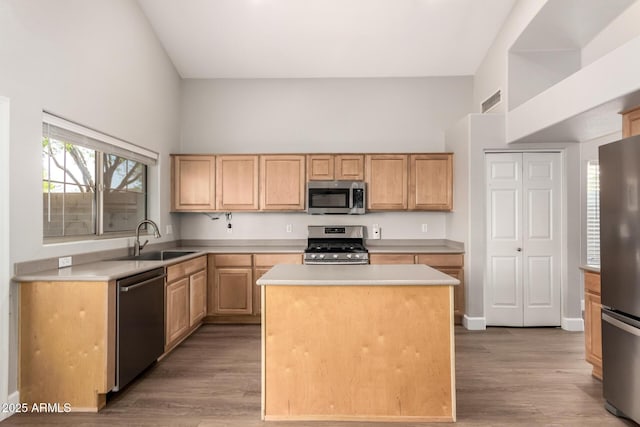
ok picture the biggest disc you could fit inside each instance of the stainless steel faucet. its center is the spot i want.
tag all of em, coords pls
(137, 246)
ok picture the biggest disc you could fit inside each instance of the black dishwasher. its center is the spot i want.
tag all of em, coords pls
(140, 324)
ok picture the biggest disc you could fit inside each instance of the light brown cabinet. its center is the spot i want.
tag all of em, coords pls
(392, 259)
(451, 264)
(262, 264)
(237, 183)
(592, 322)
(431, 182)
(341, 167)
(386, 176)
(631, 123)
(197, 297)
(177, 301)
(232, 285)
(185, 299)
(282, 183)
(193, 183)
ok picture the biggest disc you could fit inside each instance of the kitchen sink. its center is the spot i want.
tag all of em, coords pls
(155, 256)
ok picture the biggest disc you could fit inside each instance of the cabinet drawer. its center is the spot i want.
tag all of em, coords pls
(233, 260)
(391, 258)
(592, 282)
(267, 260)
(178, 271)
(441, 260)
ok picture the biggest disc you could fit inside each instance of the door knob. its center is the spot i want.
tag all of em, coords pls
(519, 249)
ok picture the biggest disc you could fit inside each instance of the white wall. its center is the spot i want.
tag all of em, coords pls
(476, 135)
(492, 72)
(622, 29)
(5, 270)
(96, 63)
(319, 115)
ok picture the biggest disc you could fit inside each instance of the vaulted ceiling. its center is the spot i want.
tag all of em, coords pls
(325, 38)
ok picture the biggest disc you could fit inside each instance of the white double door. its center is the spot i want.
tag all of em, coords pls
(524, 204)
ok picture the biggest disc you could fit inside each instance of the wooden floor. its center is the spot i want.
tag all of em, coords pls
(505, 377)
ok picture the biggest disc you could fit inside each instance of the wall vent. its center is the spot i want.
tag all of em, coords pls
(491, 101)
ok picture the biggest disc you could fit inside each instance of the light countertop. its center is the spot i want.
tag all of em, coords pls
(591, 268)
(100, 271)
(355, 275)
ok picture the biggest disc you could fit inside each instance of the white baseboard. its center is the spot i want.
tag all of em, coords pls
(474, 323)
(573, 324)
(12, 399)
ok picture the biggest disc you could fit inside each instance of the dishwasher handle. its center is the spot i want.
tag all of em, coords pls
(137, 285)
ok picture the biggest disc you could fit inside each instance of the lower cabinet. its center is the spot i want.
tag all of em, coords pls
(451, 264)
(177, 300)
(232, 285)
(185, 299)
(233, 293)
(593, 322)
(262, 264)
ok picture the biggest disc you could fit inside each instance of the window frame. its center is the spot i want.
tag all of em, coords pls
(592, 217)
(102, 145)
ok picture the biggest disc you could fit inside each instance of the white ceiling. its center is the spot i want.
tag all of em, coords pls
(326, 38)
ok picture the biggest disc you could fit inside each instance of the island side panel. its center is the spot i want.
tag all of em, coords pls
(67, 343)
(358, 353)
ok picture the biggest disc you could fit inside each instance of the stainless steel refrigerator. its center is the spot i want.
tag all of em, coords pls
(620, 275)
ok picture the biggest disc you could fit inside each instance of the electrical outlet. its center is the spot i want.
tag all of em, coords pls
(424, 228)
(376, 232)
(289, 228)
(64, 261)
(169, 229)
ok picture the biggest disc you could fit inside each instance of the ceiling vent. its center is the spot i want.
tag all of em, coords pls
(491, 101)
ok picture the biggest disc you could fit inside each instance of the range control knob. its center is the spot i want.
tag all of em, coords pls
(335, 255)
(357, 255)
(313, 256)
(321, 256)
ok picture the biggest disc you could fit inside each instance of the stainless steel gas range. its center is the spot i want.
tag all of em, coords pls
(336, 244)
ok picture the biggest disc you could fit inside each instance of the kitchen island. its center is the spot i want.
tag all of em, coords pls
(358, 342)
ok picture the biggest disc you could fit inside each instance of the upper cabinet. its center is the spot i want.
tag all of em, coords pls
(341, 167)
(431, 182)
(282, 183)
(631, 123)
(193, 183)
(237, 183)
(277, 182)
(386, 176)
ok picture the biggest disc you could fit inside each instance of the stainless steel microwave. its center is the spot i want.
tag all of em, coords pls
(336, 197)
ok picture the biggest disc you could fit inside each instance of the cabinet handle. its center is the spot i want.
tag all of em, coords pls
(519, 249)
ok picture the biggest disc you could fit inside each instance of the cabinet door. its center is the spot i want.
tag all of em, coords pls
(197, 297)
(237, 183)
(177, 320)
(349, 167)
(458, 293)
(391, 258)
(233, 291)
(386, 177)
(320, 167)
(631, 123)
(282, 182)
(193, 179)
(593, 322)
(431, 182)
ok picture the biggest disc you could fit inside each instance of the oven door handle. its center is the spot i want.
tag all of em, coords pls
(137, 285)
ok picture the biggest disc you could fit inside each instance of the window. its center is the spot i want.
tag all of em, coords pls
(93, 185)
(593, 213)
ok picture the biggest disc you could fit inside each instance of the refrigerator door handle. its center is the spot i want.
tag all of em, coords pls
(621, 325)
